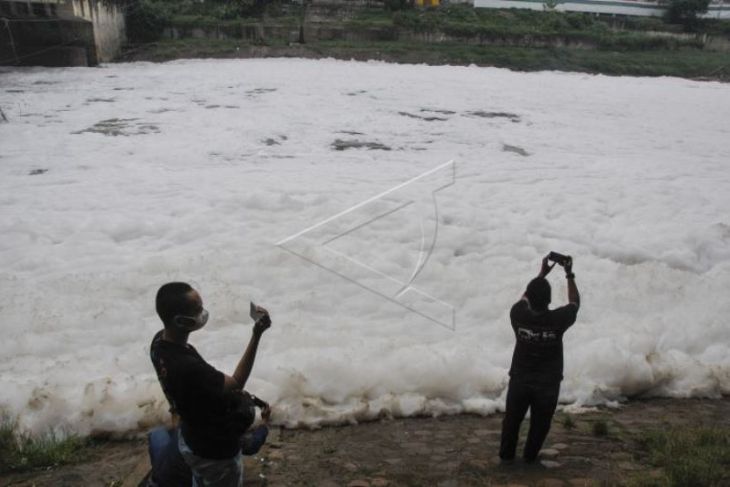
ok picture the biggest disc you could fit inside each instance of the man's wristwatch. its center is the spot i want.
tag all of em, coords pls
(569, 275)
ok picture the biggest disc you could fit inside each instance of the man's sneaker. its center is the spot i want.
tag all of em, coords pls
(539, 463)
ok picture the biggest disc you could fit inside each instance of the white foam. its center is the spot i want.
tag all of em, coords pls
(629, 175)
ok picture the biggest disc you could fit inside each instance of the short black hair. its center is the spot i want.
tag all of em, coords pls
(172, 300)
(538, 293)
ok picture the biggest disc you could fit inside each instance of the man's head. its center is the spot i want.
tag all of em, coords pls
(538, 293)
(179, 306)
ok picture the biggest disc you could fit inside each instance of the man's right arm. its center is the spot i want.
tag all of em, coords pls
(573, 296)
(245, 365)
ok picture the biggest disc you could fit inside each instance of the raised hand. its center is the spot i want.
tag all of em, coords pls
(546, 267)
(568, 266)
(263, 323)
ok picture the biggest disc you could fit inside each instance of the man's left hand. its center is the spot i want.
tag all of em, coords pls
(266, 414)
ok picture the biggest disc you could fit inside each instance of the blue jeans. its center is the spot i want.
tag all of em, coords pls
(212, 473)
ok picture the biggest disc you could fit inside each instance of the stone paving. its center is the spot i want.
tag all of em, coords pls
(594, 449)
(462, 450)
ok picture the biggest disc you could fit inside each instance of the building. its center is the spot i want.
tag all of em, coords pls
(719, 9)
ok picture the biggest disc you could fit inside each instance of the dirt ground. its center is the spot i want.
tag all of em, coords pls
(441, 452)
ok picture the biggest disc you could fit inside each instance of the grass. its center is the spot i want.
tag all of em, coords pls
(459, 17)
(487, 26)
(686, 63)
(167, 50)
(522, 40)
(456, 20)
(603, 32)
(600, 428)
(19, 452)
(688, 457)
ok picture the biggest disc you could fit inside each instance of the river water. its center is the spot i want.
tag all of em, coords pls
(387, 215)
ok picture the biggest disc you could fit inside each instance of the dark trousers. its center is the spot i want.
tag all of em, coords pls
(542, 399)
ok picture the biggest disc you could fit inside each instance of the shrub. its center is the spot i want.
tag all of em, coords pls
(686, 12)
(461, 13)
(717, 26)
(579, 20)
(397, 5)
(555, 21)
(416, 21)
(146, 20)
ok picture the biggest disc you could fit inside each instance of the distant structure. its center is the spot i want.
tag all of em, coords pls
(60, 32)
(719, 9)
(435, 3)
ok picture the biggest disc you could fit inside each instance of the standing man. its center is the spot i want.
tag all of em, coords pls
(201, 396)
(537, 362)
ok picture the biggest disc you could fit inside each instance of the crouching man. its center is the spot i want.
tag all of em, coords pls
(204, 399)
(537, 362)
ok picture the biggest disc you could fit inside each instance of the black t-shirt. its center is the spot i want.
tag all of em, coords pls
(538, 355)
(194, 389)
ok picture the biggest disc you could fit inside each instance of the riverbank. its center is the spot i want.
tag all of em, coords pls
(684, 63)
(625, 446)
(520, 40)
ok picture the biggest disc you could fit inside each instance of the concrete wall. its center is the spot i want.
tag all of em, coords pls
(107, 24)
(109, 28)
(718, 9)
(55, 42)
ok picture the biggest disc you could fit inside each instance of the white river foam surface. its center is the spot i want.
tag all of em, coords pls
(118, 179)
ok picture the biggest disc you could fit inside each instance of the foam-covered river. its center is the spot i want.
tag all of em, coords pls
(118, 179)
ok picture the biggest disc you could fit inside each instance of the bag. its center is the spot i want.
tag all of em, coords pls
(240, 411)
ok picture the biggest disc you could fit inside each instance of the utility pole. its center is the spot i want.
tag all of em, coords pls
(303, 14)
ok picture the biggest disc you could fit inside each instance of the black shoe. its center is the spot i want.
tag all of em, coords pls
(534, 463)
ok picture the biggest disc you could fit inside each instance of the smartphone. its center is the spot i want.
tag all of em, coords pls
(559, 259)
(254, 313)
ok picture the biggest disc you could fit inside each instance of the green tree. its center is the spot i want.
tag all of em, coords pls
(686, 12)
(146, 20)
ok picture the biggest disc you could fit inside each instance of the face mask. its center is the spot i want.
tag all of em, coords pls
(192, 323)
